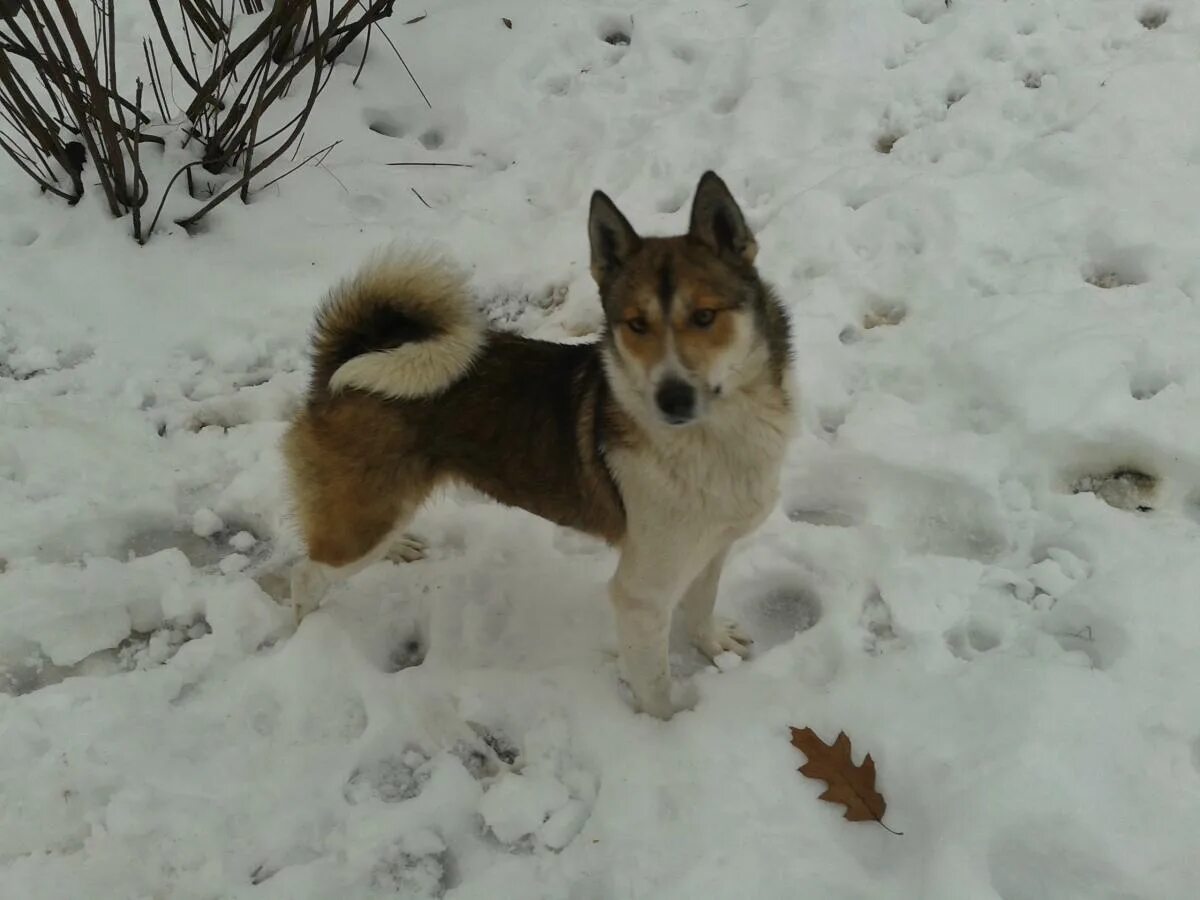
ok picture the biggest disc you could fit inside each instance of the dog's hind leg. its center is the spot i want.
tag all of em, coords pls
(350, 523)
(311, 580)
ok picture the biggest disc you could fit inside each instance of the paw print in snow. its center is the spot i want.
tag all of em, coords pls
(533, 807)
(1052, 576)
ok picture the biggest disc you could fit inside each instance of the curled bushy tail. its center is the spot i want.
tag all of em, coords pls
(404, 327)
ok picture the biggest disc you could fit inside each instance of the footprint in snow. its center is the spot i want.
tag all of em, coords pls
(31, 670)
(1124, 488)
(726, 103)
(1055, 584)
(1054, 571)
(954, 96)
(394, 777)
(978, 635)
(616, 31)
(1147, 384)
(543, 805)
(211, 544)
(21, 362)
(391, 778)
(407, 654)
(417, 875)
(432, 139)
(926, 11)
(685, 53)
(887, 141)
(884, 313)
(876, 621)
(385, 123)
(28, 671)
(537, 808)
(22, 236)
(773, 609)
(1154, 17)
(1117, 267)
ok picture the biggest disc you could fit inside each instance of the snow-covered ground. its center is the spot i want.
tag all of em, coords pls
(985, 565)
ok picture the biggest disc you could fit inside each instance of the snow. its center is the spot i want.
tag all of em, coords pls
(984, 566)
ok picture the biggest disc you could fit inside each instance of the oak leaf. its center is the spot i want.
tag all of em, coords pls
(850, 785)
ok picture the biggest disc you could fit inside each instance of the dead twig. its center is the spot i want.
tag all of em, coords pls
(324, 150)
(142, 187)
(189, 222)
(363, 62)
(160, 97)
(78, 114)
(169, 42)
(434, 165)
(411, 76)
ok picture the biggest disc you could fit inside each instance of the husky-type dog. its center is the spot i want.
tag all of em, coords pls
(665, 437)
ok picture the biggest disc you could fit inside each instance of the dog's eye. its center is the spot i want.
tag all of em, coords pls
(703, 318)
(637, 325)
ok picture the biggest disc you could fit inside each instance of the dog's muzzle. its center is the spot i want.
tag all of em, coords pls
(676, 400)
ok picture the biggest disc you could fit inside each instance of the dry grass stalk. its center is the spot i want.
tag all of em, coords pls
(61, 107)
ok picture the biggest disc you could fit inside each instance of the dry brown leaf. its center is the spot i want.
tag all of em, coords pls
(850, 785)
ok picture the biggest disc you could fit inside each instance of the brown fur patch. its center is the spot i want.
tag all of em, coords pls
(349, 495)
(700, 348)
(646, 350)
(521, 427)
(700, 280)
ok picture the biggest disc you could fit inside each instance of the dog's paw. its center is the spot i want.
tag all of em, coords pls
(302, 608)
(308, 589)
(407, 548)
(682, 696)
(721, 636)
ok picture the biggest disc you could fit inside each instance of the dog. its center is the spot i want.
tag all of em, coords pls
(665, 437)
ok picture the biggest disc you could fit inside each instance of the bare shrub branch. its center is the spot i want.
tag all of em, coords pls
(61, 106)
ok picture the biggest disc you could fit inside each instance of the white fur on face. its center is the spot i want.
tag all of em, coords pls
(740, 363)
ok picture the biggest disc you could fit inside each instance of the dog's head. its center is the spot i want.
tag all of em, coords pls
(690, 324)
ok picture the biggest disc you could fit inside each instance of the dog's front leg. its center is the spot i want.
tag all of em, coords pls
(644, 594)
(711, 635)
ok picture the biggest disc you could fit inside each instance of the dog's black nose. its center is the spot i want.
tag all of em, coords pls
(677, 400)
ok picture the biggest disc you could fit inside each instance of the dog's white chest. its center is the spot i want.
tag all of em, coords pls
(718, 481)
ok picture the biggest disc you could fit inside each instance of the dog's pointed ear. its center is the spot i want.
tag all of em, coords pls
(613, 238)
(717, 221)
